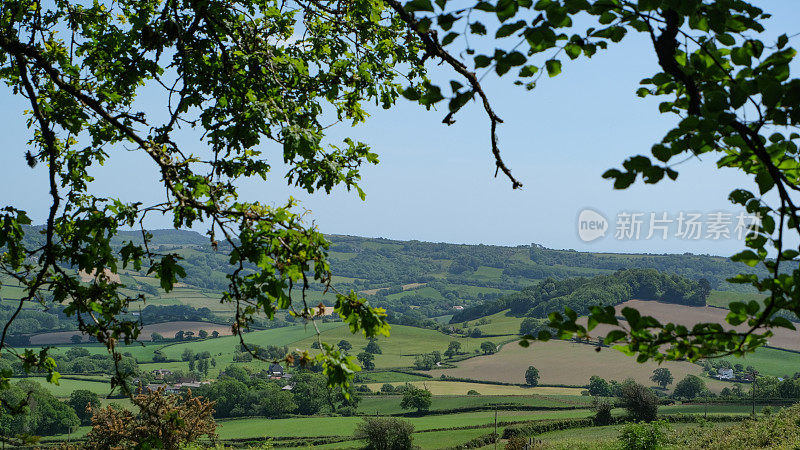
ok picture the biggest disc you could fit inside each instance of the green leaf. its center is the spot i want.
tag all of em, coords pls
(615, 336)
(419, 5)
(782, 41)
(748, 257)
(482, 61)
(553, 67)
(528, 71)
(477, 28)
(449, 38)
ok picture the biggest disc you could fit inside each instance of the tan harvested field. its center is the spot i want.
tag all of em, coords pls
(109, 276)
(166, 329)
(405, 287)
(691, 315)
(564, 362)
(438, 387)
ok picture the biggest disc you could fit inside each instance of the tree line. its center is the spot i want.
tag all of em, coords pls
(608, 290)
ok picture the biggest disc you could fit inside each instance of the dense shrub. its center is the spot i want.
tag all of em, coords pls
(385, 433)
(644, 436)
(640, 401)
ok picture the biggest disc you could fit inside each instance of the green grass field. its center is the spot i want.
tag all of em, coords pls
(390, 404)
(389, 376)
(402, 345)
(770, 361)
(594, 436)
(710, 409)
(65, 386)
(345, 426)
(501, 324)
(723, 298)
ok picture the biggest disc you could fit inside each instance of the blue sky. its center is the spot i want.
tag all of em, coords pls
(435, 183)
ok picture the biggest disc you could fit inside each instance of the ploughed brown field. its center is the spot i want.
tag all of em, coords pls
(166, 329)
(691, 315)
(569, 363)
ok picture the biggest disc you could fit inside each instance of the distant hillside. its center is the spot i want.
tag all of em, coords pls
(415, 281)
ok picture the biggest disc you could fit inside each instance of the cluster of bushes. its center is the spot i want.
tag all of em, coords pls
(427, 361)
(239, 392)
(30, 321)
(26, 407)
(76, 360)
(173, 313)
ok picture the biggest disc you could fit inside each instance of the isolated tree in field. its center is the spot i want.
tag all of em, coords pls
(385, 433)
(187, 354)
(215, 334)
(532, 376)
(640, 401)
(84, 402)
(373, 347)
(689, 387)
(387, 388)
(202, 334)
(156, 337)
(452, 349)
(76, 339)
(488, 347)
(344, 345)
(416, 398)
(366, 360)
(179, 335)
(599, 387)
(662, 377)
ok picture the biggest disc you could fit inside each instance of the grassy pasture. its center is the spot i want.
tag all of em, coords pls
(722, 299)
(390, 404)
(744, 410)
(388, 377)
(345, 426)
(605, 436)
(228, 344)
(426, 440)
(65, 386)
(500, 324)
(399, 349)
(770, 361)
(562, 362)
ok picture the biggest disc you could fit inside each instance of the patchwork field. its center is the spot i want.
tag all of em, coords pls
(166, 329)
